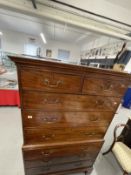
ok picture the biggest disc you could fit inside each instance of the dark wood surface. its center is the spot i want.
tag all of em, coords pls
(105, 85)
(47, 152)
(58, 168)
(66, 110)
(48, 119)
(68, 102)
(49, 135)
(50, 81)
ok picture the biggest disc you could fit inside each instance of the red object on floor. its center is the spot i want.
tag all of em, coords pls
(9, 97)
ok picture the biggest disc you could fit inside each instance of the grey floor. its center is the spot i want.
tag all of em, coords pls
(11, 142)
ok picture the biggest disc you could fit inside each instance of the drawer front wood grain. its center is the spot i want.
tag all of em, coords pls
(58, 168)
(34, 118)
(90, 158)
(66, 150)
(105, 86)
(50, 81)
(60, 102)
(34, 136)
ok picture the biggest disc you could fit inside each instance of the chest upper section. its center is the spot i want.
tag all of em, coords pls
(74, 82)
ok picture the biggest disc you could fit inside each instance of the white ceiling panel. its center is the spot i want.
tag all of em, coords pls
(122, 3)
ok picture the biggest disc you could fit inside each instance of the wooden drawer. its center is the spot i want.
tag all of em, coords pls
(50, 81)
(60, 102)
(57, 161)
(34, 136)
(105, 86)
(34, 118)
(44, 153)
(58, 168)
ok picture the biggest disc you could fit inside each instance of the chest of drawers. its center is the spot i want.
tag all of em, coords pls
(66, 110)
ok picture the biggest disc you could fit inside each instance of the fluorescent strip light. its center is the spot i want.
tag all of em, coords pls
(1, 33)
(43, 38)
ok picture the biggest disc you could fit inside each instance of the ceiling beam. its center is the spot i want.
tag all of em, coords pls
(34, 4)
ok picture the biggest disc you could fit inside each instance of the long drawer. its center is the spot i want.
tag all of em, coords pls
(34, 136)
(57, 161)
(45, 153)
(105, 85)
(62, 102)
(36, 118)
(58, 168)
(50, 81)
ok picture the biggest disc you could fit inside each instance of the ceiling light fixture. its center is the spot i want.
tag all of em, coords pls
(43, 38)
(1, 33)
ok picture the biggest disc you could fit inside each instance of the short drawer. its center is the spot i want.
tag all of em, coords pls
(36, 118)
(66, 102)
(35, 136)
(50, 81)
(58, 168)
(85, 149)
(105, 86)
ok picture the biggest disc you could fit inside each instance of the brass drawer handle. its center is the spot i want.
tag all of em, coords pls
(81, 156)
(52, 101)
(57, 84)
(106, 87)
(47, 161)
(50, 119)
(45, 154)
(85, 151)
(93, 118)
(99, 102)
(90, 134)
(78, 164)
(87, 156)
(48, 137)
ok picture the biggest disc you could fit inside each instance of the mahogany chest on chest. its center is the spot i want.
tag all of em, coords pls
(66, 110)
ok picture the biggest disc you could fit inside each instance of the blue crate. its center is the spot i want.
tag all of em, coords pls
(127, 99)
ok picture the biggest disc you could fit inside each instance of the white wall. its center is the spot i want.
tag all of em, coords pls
(14, 42)
(55, 45)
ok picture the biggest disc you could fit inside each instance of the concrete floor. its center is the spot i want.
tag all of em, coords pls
(11, 142)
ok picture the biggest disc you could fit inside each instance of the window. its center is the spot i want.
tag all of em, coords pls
(63, 54)
(31, 49)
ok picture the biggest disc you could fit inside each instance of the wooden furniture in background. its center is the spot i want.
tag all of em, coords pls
(66, 110)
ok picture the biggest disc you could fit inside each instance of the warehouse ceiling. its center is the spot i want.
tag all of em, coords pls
(53, 30)
(67, 16)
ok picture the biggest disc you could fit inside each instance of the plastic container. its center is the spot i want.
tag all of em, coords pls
(127, 99)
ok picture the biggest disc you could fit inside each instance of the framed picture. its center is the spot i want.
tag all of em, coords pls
(48, 53)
